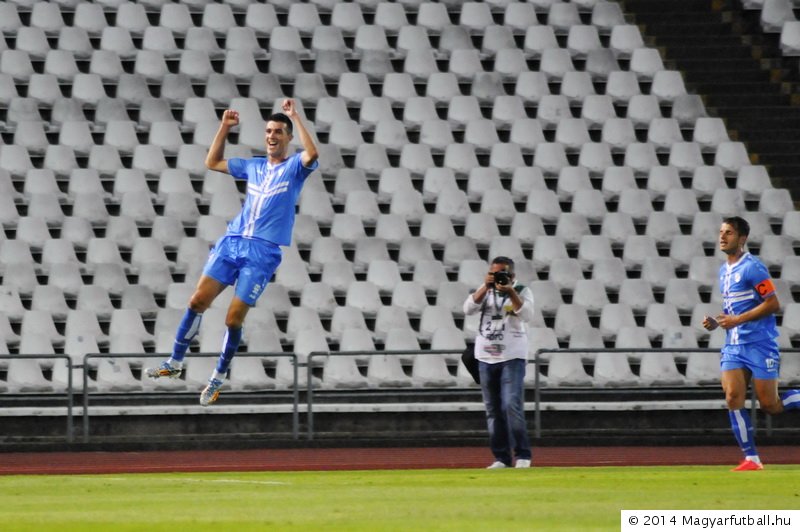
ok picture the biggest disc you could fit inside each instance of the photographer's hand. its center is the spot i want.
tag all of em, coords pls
(513, 296)
(480, 293)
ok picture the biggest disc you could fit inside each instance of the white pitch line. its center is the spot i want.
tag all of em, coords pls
(217, 480)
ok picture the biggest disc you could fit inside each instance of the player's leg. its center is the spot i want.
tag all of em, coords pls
(206, 291)
(257, 264)
(767, 393)
(771, 401)
(790, 399)
(734, 383)
(237, 311)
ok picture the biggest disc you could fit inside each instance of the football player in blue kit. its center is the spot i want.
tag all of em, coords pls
(249, 252)
(749, 304)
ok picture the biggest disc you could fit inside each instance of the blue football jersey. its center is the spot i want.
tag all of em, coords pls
(272, 192)
(744, 285)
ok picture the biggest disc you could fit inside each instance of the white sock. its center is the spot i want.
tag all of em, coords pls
(217, 375)
(177, 364)
(755, 459)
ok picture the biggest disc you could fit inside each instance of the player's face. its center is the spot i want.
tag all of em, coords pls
(730, 241)
(277, 139)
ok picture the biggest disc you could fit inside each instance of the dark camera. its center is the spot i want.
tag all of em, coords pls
(502, 278)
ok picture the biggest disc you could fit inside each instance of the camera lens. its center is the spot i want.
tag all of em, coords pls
(502, 278)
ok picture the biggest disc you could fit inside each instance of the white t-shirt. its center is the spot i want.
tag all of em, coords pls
(503, 334)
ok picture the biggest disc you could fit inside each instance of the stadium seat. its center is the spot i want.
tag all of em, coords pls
(25, 375)
(614, 319)
(32, 41)
(566, 369)
(662, 226)
(727, 202)
(555, 63)
(624, 39)
(369, 250)
(707, 179)
(430, 274)
(430, 371)
(636, 293)
(702, 368)
(682, 203)
(582, 39)
(613, 370)
(687, 108)
(51, 299)
(753, 180)
(642, 109)
(389, 320)
(436, 134)
(455, 42)
(731, 156)
(774, 14)
(11, 304)
(622, 86)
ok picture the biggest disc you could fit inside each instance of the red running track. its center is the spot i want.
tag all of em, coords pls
(369, 458)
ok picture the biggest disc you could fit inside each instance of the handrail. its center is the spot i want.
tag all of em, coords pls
(537, 421)
(295, 388)
(320, 354)
(69, 393)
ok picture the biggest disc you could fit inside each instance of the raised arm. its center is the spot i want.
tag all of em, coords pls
(214, 159)
(310, 152)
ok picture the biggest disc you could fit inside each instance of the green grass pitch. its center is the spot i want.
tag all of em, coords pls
(548, 498)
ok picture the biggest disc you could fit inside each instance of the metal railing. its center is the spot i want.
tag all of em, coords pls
(294, 389)
(69, 391)
(537, 420)
(320, 354)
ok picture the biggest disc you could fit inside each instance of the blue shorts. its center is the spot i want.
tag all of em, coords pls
(762, 358)
(247, 262)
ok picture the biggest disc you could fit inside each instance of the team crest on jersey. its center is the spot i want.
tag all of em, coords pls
(738, 277)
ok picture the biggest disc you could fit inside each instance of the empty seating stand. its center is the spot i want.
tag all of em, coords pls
(449, 133)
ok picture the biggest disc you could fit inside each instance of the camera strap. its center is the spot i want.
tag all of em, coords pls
(497, 317)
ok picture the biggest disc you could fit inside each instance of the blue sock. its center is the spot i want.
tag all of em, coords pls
(229, 346)
(187, 330)
(743, 431)
(790, 399)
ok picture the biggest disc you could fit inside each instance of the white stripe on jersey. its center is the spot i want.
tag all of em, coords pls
(744, 297)
(728, 301)
(260, 194)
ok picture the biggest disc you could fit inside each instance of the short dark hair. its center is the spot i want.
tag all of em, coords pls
(504, 260)
(739, 224)
(280, 117)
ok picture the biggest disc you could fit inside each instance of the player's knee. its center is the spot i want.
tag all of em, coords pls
(199, 303)
(734, 400)
(234, 321)
(771, 406)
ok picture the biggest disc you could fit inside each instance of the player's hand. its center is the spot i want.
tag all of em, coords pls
(709, 323)
(727, 321)
(230, 118)
(289, 108)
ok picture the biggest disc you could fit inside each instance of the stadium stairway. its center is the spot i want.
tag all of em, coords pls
(739, 72)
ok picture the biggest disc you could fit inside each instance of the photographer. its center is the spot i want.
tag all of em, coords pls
(501, 349)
